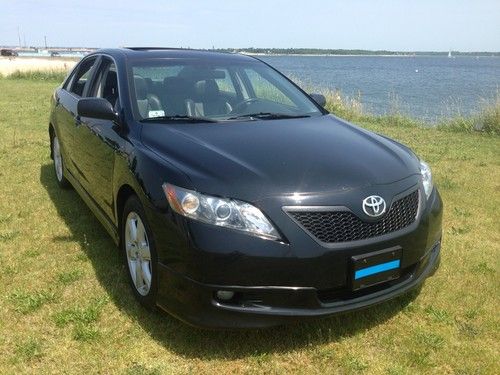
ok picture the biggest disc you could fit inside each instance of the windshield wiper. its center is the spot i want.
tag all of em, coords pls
(267, 116)
(178, 118)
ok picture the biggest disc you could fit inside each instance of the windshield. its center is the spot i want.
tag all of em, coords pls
(201, 90)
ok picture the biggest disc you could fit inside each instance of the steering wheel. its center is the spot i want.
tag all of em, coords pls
(243, 104)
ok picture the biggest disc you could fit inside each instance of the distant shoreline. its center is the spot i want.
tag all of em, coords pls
(350, 52)
(11, 64)
(76, 58)
(270, 52)
(354, 55)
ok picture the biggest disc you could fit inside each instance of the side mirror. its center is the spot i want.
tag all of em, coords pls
(319, 98)
(96, 108)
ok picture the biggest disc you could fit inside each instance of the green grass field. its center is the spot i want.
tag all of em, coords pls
(65, 305)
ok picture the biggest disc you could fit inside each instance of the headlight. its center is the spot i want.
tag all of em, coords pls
(229, 213)
(426, 173)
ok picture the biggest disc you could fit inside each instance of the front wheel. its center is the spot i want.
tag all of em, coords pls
(59, 163)
(139, 252)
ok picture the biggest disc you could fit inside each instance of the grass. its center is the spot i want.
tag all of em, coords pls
(28, 350)
(68, 277)
(66, 307)
(28, 302)
(486, 120)
(57, 75)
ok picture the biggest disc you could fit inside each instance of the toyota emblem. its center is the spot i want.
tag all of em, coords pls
(374, 206)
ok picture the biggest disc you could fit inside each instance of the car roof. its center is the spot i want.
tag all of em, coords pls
(165, 52)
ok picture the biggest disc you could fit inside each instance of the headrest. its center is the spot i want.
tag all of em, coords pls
(207, 89)
(149, 82)
(175, 86)
(141, 88)
(111, 82)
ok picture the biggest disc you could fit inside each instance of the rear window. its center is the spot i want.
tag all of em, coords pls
(158, 73)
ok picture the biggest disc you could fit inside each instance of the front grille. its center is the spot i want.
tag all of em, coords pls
(344, 226)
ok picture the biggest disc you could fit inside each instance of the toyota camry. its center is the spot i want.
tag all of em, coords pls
(235, 198)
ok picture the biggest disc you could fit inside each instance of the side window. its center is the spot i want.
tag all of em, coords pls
(266, 90)
(80, 78)
(69, 80)
(225, 84)
(106, 83)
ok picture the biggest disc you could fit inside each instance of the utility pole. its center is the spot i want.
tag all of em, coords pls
(45, 38)
(19, 37)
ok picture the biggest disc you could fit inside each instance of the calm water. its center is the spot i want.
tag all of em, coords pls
(425, 87)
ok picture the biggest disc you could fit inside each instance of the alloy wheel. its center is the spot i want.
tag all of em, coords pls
(138, 253)
(58, 164)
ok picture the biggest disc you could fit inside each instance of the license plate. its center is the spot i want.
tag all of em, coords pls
(376, 267)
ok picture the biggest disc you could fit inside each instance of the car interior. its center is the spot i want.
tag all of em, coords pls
(110, 89)
(146, 101)
(183, 95)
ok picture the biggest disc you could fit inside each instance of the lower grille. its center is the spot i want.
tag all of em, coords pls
(344, 226)
(346, 293)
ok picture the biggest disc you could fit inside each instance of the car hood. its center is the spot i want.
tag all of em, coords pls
(252, 160)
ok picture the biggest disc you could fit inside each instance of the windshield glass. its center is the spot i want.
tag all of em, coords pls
(190, 89)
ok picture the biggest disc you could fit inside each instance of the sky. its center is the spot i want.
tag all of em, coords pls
(402, 25)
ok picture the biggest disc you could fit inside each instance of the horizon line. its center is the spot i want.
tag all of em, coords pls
(267, 49)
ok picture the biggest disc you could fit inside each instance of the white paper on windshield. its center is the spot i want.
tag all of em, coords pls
(156, 114)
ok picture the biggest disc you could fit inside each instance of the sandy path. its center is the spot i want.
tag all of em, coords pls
(10, 65)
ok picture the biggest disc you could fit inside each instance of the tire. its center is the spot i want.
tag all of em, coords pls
(138, 249)
(58, 163)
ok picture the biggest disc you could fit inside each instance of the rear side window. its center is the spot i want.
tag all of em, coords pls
(82, 75)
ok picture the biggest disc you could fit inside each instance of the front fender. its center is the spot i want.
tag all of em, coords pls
(144, 172)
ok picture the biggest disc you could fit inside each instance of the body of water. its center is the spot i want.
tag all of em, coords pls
(425, 87)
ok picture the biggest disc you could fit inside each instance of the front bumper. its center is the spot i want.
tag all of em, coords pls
(257, 307)
(275, 282)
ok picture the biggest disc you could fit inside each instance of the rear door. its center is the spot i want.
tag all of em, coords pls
(66, 116)
(101, 139)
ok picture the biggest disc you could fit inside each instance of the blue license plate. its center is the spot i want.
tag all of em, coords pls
(376, 267)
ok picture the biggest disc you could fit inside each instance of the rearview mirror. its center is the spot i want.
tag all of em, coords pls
(319, 98)
(96, 108)
(219, 74)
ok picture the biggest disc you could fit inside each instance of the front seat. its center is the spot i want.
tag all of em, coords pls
(146, 102)
(177, 92)
(110, 90)
(208, 101)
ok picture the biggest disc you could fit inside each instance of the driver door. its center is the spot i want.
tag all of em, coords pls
(102, 138)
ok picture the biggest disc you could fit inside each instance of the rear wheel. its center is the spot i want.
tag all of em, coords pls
(139, 253)
(59, 163)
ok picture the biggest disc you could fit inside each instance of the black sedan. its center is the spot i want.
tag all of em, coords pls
(235, 198)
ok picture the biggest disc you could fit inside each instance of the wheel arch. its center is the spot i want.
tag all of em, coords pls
(124, 193)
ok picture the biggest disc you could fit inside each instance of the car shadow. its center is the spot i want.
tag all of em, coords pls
(178, 337)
